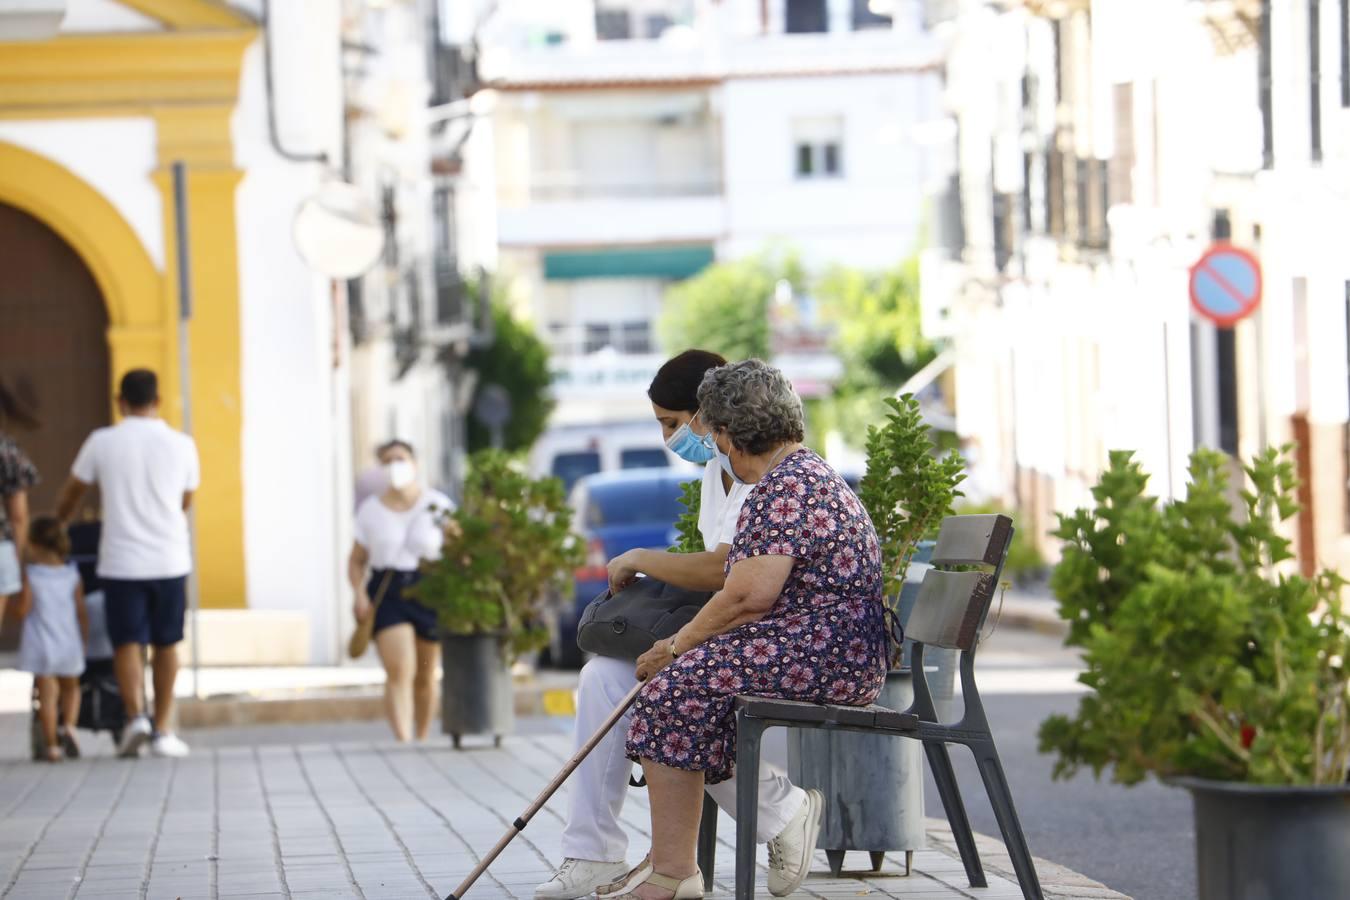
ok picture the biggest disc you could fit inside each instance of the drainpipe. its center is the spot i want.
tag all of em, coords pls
(281, 151)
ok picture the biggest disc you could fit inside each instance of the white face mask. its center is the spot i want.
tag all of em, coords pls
(400, 473)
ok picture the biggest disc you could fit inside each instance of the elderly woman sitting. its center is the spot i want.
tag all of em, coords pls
(800, 618)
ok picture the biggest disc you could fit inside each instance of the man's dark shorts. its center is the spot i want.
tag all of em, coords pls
(145, 612)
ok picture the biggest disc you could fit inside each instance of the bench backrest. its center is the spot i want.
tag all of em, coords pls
(952, 605)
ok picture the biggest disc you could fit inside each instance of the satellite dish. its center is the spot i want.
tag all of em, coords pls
(338, 232)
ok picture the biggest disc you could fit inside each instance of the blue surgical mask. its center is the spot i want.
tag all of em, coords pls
(691, 447)
(728, 468)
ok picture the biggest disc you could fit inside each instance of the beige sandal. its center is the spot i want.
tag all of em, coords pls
(635, 876)
(690, 888)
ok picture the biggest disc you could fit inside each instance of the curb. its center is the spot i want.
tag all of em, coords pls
(356, 704)
(1057, 882)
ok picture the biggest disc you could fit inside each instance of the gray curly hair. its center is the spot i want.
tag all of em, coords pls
(753, 403)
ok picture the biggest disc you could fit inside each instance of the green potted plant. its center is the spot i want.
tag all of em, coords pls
(1213, 667)
(908, 489)
(505, 546)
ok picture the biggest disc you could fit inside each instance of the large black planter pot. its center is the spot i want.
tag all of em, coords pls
(1262, 842)
(477, 695)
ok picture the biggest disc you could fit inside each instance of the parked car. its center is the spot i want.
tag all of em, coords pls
(572, 452)
(614, 512)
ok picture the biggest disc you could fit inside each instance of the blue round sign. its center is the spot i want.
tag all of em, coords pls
(1225, 284)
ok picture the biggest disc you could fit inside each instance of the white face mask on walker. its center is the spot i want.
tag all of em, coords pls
(401, 473)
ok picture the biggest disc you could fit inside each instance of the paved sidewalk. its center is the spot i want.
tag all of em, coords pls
(350, 820)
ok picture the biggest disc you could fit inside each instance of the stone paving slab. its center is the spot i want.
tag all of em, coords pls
(365, 821)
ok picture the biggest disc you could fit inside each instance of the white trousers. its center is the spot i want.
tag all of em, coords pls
(600, 783)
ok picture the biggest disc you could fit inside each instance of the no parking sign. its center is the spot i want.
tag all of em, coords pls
(1225, 284)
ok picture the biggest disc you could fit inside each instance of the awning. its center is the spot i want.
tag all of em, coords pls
(628, 262)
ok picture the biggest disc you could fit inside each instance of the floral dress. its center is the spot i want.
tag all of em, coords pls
(16, 474)
(823, 641)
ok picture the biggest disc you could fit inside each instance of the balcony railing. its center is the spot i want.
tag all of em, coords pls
(557, 189)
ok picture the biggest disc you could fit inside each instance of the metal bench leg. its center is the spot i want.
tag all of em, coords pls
(707, 842)
(940, 762)
(1000, 798)
(749, 733)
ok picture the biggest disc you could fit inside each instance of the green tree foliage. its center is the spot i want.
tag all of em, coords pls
(506, 545)
(878, 320)
(518, 361)
(907, 489)
(878, 338)
(725, 308)
(1203, 658)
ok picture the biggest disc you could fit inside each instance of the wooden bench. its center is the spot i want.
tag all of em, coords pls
(952, 605)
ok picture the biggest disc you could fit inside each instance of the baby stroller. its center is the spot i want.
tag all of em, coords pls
(101, 707)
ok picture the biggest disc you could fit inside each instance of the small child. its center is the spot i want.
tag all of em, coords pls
(55, 630)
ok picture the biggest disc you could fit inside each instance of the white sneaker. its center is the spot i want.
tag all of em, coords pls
(134, 736)
(790, 852)
(169, 745)
(579, 878)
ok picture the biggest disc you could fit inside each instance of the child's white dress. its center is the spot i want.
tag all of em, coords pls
(51, 643)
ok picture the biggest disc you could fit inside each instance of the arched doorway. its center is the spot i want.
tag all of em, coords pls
(53, 345)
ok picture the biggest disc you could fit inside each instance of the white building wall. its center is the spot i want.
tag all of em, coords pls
(103, 16)
(295, 457)
(116, 157)
(868, 217)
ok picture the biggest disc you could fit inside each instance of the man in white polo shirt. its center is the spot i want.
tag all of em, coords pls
(146, 473)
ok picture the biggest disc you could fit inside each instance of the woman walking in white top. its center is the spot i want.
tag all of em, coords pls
(395, 530)
(55, 629)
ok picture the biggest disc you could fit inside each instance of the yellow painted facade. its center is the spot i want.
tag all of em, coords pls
(186, 78)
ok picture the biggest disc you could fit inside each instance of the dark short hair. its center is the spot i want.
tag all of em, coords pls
(675, 386)
(139, 388)
(384, 448)
(47, 533)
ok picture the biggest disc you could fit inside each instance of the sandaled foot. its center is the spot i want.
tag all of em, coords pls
(662, 887)
(53, 754)
(628, 882)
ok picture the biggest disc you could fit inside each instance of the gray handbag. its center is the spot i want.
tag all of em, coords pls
(626, 624)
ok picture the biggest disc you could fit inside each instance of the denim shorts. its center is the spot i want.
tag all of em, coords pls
(10, 577)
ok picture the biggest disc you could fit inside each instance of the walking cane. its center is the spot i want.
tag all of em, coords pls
(519, 824)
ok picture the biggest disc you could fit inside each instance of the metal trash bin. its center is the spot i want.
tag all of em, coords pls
(873, 784)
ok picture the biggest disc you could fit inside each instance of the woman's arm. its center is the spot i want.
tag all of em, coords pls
(751, 590)
(16, 511)
(357, 561)
(356, 575)
(704, 571)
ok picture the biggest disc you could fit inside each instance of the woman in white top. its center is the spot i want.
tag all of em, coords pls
(594, 845)
(395, 530)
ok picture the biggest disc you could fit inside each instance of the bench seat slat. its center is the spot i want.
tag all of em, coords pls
(872, 716)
